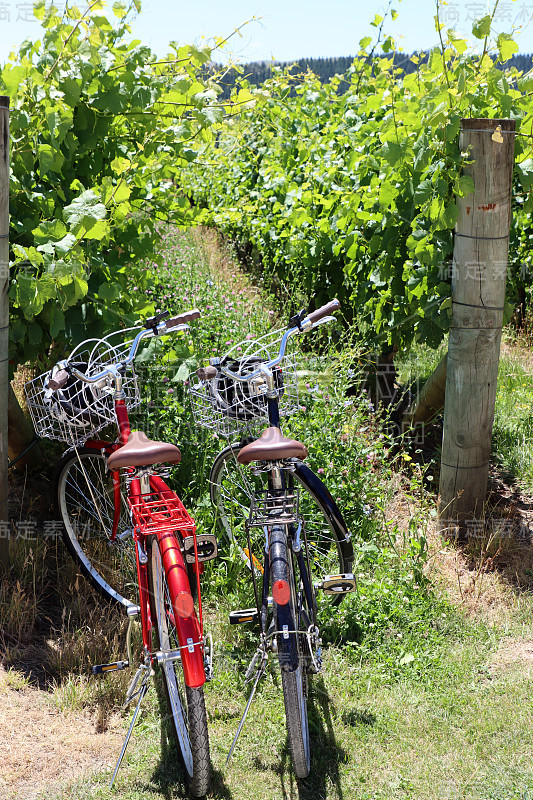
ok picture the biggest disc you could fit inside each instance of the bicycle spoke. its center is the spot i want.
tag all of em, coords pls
(85, 501)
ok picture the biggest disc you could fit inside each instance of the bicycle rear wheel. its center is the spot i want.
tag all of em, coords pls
(186, 705)
(295, 689)
(85, 501)
(232, 487)
(291, 655)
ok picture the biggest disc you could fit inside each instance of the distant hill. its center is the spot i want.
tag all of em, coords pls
(257, 72)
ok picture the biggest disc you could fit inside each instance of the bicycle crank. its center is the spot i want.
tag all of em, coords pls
(98, 669)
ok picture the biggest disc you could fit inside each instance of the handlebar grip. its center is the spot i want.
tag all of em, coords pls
(324, 311)
(58, 381)
(182, 319)
(206, 373)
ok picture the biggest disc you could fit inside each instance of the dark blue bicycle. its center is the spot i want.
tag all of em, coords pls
(277, 513)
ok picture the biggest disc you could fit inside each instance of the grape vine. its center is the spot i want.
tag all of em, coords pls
(100, 130)
(350, 188)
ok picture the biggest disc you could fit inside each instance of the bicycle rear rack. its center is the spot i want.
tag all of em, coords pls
(160, 511)
(278, 506)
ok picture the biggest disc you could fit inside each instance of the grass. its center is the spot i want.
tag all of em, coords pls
(463, 729)
(513, 429)
(14, 679)
(512, 442)
(416, 700)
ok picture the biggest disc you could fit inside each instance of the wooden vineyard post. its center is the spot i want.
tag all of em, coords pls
(4, 326)
(478, 296)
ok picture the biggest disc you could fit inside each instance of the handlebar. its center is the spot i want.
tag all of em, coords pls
(58, 381)
(320, 316)
(324, 311)
(160, 328)
(182, 319)
(207, 373)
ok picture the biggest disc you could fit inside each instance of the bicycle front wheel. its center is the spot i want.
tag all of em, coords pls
(186, 705)
(232, 487)
(85, 501)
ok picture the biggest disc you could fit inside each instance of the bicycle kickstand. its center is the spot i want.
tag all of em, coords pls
(258, 662)
(140, 679)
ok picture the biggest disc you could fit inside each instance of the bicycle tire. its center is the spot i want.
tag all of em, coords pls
(293, 666)
(231, 489)
(295, 687)
(84, 500)
(186, 705)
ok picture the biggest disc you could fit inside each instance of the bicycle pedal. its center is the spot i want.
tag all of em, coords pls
(206, 547)
(98, 669)
(246, 615)
(338, 584)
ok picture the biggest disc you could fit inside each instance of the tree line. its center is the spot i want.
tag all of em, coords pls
(257, 72)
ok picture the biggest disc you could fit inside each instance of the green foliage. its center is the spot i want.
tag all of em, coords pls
(513, 422)
(354, 194)
(347, 449)
(99, 131)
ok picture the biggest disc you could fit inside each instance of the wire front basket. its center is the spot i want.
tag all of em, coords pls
(79, 410)
(230, 406)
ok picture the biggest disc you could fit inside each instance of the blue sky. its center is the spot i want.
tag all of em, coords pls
(287, 29)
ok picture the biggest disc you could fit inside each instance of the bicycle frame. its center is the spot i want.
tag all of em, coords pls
(277, 482)
(160, 518)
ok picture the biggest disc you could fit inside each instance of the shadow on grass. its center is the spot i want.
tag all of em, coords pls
(355, 717)
(326, 755)
(170, 773)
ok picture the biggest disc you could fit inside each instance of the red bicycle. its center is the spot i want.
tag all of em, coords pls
(128, 531)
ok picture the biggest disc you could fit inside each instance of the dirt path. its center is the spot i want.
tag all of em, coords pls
(42, 747)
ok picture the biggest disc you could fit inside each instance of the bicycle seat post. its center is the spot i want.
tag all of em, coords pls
(272, 395)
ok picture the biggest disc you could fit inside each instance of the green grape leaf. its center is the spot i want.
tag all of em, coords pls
(481, 27)
(50, 230)
(464, 185)
(57, 321)
(110, 292)
(17, 330)
(423, 192)
(84, 211)
(525, 171)
(507, 47)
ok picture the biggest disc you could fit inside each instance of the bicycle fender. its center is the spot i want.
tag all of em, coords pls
(188, 628)
(319, 489)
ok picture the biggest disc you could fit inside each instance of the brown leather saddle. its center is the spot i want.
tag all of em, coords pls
(272, 446)
(140, 451)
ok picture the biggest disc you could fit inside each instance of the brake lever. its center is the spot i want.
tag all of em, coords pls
(322, 321)
(296, 320)
(153, 322)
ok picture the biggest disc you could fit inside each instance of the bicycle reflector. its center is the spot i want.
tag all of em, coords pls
(184, 605)
(281, 592)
